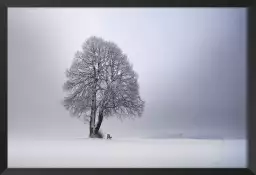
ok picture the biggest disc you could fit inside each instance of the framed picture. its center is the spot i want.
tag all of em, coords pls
(102, 89)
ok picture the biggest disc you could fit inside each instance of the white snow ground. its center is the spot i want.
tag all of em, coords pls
(129, 153)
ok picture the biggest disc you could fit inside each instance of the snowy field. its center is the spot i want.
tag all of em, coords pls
(130, 152)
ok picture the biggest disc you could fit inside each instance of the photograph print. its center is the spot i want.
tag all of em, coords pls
(127, 87)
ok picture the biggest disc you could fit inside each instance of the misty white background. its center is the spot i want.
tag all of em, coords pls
(191, 64)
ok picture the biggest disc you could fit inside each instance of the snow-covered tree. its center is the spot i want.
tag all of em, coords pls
(102, 82)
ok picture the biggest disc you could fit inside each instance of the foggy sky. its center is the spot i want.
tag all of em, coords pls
(191, 64)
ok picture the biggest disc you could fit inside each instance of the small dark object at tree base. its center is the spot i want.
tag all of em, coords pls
(108, 136)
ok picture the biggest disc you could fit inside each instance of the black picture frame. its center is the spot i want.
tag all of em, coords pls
(251, 85)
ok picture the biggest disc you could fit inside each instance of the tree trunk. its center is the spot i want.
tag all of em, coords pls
(97, 128)
(93, 109)
(93, 115)
(91, 127)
